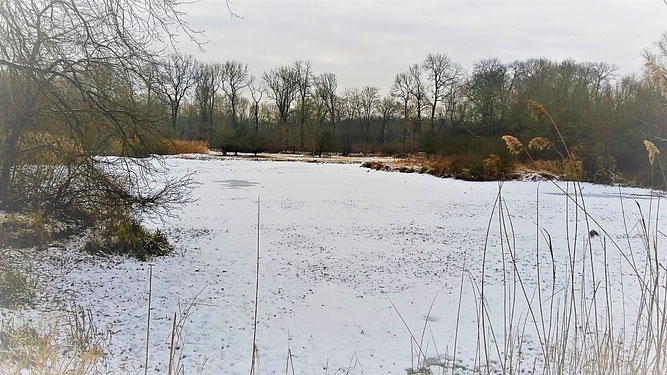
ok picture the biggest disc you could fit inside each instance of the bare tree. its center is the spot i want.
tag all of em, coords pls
(486, 91)
(234, 78)
(352, 112)
(282, 87)
(256, 93)
(175, 77)
(401, 91)
(442, 73)
(369, 99)
(304, 78)
(418, 91)
(656, 64)
(388, 108)
(327, 84)
(206, 87)
(600, 75)
(74, 68)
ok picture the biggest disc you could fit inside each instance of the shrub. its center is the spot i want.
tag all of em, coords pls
(573, 168)
(43, 347)
(16, 290)
(22, 231)
(493, 166)
(126, 236)
(179, 146)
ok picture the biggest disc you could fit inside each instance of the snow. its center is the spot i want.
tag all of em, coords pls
(339, 245)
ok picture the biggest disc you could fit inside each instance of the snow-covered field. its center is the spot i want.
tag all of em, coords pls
(339, 245)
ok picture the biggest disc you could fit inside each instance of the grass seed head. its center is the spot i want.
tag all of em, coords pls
(659, 76)
(537, 110)
(514, 146)
(539, 144)
(653, 151)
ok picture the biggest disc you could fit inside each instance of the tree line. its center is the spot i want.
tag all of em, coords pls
(434, 106)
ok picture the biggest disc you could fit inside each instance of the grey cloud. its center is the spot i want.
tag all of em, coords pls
(368, 42)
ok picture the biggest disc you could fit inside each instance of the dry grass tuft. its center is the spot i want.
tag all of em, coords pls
(537, 110)
(514, 146)
(653, 151)
(179, 146)
(376, 165)
(539, 144)
(493, 166)
(573, 168)
(46, 347)
(16, 290)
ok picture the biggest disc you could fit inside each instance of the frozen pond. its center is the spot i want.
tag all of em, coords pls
(339, 244)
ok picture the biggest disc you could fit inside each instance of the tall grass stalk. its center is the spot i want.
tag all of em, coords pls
(577, 332)
(575, 313)
(254, 326)
(148, 319)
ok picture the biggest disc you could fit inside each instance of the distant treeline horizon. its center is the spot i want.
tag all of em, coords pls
(434, 107)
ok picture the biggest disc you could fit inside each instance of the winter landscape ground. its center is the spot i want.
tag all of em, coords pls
(347, 254)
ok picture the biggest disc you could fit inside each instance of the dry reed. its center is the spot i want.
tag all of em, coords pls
(652, 150)
(179, 146)
(537, 110)
(514, 146)
(539, 144)
(659, 76)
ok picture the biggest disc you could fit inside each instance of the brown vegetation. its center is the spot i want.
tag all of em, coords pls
(180, 146)
(464, 167)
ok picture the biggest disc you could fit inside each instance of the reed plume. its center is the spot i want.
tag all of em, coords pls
(659, 76)
(539, 144)
(653, 151)
(537, 110)
(514, 146)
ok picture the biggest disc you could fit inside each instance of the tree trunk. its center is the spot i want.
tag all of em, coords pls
(210, 119)
(303, 121)
(174, 116)
(405, 122)
(10, 159)
(435, 103)
(256, 118)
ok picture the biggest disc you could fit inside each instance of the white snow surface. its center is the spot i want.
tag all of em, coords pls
(339, 244)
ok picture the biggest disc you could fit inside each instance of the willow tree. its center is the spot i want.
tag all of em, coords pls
(76, 74)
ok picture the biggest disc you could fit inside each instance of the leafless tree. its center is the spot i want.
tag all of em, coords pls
(73, 69)
(387, 108)
(207, 83)
(418, 91)
(282, 87)
(442, 73)
(600, 75)
(656, 64)
(401, 91)
(256, 93)
(175, 77)
(234, 78)
(352, 112)
(304, 76)
(369, 99)
(326, 86)
(486, 91)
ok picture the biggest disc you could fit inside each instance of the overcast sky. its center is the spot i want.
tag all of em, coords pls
(367, 42)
